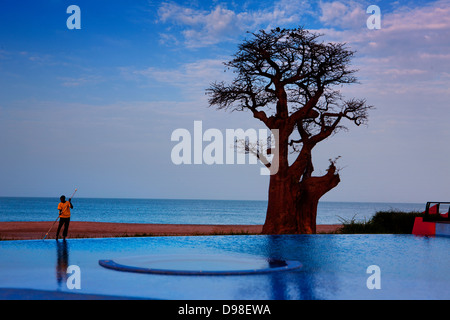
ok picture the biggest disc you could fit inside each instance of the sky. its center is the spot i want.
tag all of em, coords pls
(94, 108)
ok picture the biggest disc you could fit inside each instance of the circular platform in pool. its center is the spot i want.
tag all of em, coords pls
(199, 265)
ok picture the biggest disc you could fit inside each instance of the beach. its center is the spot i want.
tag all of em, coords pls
(24, 230)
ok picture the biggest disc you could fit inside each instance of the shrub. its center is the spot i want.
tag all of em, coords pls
(383, 222)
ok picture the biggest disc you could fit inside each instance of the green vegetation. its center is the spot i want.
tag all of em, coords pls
(383, 222)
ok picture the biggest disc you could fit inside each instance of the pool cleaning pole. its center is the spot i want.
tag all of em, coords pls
(50, 228)
(58, 216)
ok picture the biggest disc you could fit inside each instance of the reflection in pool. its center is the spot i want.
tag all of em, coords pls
(332, 266)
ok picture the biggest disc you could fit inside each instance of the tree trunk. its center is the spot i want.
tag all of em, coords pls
(292, 206)
(307, 214)
(281, 215)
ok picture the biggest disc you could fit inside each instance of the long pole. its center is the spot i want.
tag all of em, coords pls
(73, 193)
(50, 228)
(58, 217)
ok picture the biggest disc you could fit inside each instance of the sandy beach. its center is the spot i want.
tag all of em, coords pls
(23, 230)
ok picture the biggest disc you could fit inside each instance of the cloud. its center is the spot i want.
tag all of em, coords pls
(408, 54)
(202, 28)
(343, 15)
(81, 80)
(434, 16)
(190, 78)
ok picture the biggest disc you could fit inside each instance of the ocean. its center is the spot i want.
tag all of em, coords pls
(178, 211)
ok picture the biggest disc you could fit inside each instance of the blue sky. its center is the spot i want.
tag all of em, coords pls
(95, 108)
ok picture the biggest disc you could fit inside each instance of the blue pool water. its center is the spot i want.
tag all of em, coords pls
(173, 211)
(333, 266)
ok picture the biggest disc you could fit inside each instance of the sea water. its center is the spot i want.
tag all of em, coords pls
(180, 211)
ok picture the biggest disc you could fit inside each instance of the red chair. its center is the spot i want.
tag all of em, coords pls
(434, 210)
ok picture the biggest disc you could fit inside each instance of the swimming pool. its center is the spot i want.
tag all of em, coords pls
(332, 266)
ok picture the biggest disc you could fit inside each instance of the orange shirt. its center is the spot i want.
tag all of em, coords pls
(65, 209)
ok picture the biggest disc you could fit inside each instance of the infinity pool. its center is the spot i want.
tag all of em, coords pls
(327, 267)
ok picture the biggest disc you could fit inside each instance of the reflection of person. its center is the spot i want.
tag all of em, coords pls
(62, 262)
(64, 216)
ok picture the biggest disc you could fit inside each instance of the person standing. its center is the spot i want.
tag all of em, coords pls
(64, 216)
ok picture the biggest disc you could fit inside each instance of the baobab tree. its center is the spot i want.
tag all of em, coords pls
(287, 79)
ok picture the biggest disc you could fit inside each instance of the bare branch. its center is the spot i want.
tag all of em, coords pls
(287, 79)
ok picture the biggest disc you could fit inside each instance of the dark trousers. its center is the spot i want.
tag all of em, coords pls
(65, 222)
